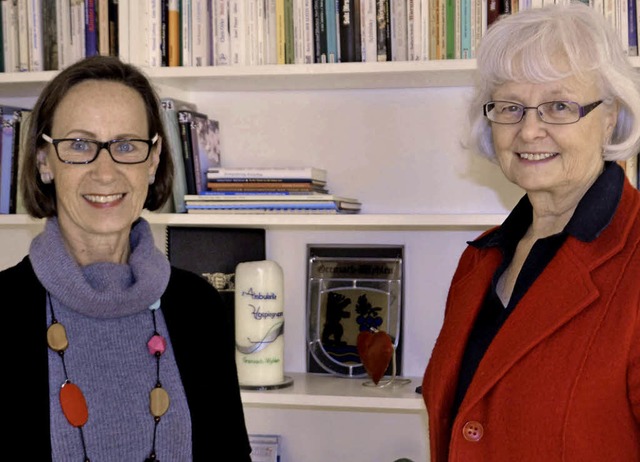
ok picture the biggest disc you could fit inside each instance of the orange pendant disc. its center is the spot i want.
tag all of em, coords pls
(73, 404)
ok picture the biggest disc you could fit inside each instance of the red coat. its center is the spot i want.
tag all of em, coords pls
(561, 380)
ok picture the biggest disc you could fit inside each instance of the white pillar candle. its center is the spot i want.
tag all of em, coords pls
(259, 318)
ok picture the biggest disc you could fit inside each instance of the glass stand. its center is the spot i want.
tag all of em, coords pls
(392, 381)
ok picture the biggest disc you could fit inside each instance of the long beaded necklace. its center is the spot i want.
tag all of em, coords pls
(72, 401)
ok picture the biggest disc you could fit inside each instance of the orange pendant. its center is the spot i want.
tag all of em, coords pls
(73, 404)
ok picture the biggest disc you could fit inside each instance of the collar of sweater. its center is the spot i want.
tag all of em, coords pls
(105, 290)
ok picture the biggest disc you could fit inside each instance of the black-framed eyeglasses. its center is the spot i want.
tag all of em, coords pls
(551, 112)
(85, 151)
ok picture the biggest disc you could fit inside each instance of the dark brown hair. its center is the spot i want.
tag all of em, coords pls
(40, 198)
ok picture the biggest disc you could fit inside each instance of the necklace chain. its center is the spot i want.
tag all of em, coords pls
(72, 400)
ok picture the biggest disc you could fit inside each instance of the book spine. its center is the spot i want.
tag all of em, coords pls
(465, 28)
(114, 29)
(280, 33)
(164, 33)
(633, 20)
(6, 159)
(35, 28)
(10, 36)
(23, 35)
(332, 34)
(199, 33)
(398, 16)
(251, 20)
(173, 32)
(102, 14)
(302, 172)
(307, 32)
(220, 21)
(270, 32)
(289, 32)
(154, 34)
(184, 119)
(347, 31)
(319, 32)
(382, 32)
(368, 29)
(50, 36)
(237, 32)
(90, 29)
(185, 36)
(15, 153)
(172, 128)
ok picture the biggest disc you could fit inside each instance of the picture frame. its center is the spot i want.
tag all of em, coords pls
(351, 288)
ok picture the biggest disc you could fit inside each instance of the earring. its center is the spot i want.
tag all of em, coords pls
(152, 178)
(46, 177)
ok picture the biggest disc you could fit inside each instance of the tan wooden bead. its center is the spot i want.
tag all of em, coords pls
(158, 402)
(57, 337)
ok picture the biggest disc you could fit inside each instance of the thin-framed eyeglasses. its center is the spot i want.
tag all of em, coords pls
(551, 112)
(85, 151)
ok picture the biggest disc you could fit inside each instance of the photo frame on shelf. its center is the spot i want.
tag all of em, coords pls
(351, 288)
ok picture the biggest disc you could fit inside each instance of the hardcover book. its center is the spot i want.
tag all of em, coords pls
(214, 253)
(350, 289)
(169, 112)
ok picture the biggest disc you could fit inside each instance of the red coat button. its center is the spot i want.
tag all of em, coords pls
(473, 431)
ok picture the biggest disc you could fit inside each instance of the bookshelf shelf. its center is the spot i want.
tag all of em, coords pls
(387, 222)
(339, 76)
(326, 391)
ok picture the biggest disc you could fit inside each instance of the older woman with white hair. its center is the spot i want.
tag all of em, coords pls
(538, 358)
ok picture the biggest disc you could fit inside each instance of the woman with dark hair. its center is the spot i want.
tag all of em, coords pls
(114, 343)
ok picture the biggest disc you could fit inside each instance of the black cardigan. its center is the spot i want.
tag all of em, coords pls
(197, 327)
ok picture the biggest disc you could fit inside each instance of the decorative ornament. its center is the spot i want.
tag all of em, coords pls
(376, 350)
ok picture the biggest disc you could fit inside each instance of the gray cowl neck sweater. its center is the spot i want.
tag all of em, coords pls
(104, 308)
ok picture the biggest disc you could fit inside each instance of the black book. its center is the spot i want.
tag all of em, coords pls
(214, 253)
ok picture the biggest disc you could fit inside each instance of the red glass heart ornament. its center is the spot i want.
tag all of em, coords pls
(376, 350)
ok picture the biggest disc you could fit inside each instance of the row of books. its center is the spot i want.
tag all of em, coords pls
(269, 190)
(42, 35)
(194, 141)
(51, 34)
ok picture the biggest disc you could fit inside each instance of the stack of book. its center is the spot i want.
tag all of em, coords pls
(269, 190)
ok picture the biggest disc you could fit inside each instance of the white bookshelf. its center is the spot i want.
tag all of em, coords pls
(388, 134)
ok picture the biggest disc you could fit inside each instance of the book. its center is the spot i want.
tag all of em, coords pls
(331, 13)
(398, 25)
(368, 30)
(216, 197)
(23, 138)
(270, 32)
(206, 147)
(173, 33)
(214, 253)
(169, 112)
(319, 32)
(49, 36)
(272, 204)
(382, 31)
(20, 132)
(10, 36)
(191, 130)
(271, 173)
(291, 187)
(220, 22)
(10, 116)
(90, 29)
(348, 31)
(351, 288)
(265, 448)
(200, 32)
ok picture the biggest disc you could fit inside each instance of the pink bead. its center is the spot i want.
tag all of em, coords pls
(156, 344)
